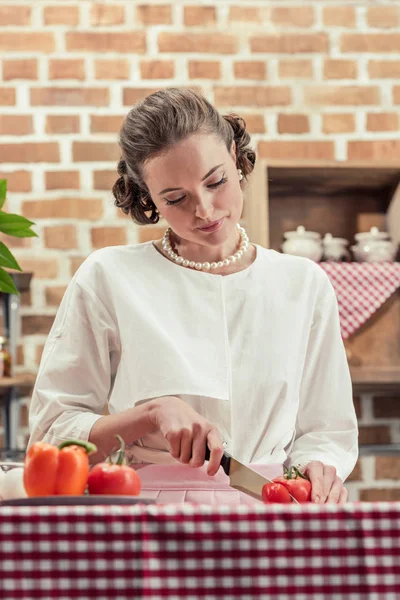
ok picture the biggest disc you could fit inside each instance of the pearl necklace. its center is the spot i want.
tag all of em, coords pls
(206, 266)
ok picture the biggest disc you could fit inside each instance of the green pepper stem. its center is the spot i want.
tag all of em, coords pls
(88, 446)
(121, 451)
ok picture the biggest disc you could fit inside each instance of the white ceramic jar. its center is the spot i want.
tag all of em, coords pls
(374, 246)
(303, 243)
(335, 248)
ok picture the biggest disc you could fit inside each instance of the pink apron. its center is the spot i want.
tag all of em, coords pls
(179, 483)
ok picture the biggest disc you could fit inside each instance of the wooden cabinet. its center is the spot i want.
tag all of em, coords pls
(340, 199)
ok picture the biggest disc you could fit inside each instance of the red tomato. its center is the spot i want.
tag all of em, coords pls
(115, 479)
(106, 478)
(299, 488)
(275, 492)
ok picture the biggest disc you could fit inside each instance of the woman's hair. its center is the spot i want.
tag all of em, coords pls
(156, 123)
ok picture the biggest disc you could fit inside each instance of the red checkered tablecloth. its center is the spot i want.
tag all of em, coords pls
(157, 552)
(361, 288)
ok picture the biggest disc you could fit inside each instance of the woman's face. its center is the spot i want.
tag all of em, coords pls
(195, 186)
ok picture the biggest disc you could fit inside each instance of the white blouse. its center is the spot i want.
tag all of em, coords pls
(258, 352)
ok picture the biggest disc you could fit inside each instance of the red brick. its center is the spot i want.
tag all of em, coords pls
(104, 180)
(112, 69)
(132, 42)
(13, 41)
(246, 69)
(374, 434)
(157, 69)
(387, 467)
(252, 96)
(108, 236)
(381, 69)
(62, 96)
(107, 14)
(396, 94)
(105, 123)
(199, 15)
(339, 16)
(383, 122)
(90, 209)
(18, 181)
(290, 43)
(63, 124)
(133, 95)
(380, 495)
(61, 15)
(69, 68)
(383, 16)
(29, 152)
(338, 123)
(350, 95)
(296, 150)
(254, 123)
(54, 295)
(386, 407)
(42, 268)
(356, 474)
(36, 324)
(15, 15)
(245, 14)
(61, 237)
(294, 16)
(39, 352)
(293, 123)
(160, 14)
(20, 361)
(370, 42)
(13, 242)
(95, 151)
(374, 150)
(20, 69)
(340, 69)
(16, 124)
(296, 69)
(221, 43)
(75, 263)
(357, 406)
(148, 233)
(62, 180)
(204, 69)
(7, 96)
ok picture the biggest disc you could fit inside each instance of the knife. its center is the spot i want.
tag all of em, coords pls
(242, 478)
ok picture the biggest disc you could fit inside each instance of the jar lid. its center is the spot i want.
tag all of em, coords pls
(373, 234)
(329, 239)
(302, 233)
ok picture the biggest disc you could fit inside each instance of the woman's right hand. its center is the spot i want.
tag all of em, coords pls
(187, 433)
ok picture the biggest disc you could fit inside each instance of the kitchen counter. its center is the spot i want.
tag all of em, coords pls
(155, 551)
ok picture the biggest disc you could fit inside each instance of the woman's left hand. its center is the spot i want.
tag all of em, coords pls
(326, 486)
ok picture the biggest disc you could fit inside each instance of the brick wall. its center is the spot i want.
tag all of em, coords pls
(313, 80)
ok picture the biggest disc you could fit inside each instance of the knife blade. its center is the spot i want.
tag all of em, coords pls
(243, 478)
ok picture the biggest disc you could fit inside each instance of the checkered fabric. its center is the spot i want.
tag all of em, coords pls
(361, 288)
(157, 552)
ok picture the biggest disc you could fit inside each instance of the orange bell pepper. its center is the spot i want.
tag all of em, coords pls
(57, 471)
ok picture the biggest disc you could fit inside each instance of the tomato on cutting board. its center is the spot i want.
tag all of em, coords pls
(292, 482)
(117, 479)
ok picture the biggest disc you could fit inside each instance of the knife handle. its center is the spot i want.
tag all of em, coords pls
(225, 460)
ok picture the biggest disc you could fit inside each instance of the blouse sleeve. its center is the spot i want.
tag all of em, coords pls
(326, 425)
(75, 377)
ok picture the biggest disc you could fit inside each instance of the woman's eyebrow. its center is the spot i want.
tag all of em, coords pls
(210, 172)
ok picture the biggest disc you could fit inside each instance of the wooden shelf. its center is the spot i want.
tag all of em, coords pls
(19, 380)
(375, 380)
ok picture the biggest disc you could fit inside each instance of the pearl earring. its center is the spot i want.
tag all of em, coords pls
(240, 173)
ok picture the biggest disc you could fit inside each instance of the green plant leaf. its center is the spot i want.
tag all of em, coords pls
(3, 191)
(10, 223)
(7, 259)
(7, 285)
(23, 233)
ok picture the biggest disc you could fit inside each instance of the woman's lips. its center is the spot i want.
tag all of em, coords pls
(213, 226)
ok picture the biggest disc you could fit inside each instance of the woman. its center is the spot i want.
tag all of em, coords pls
(201, 338)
